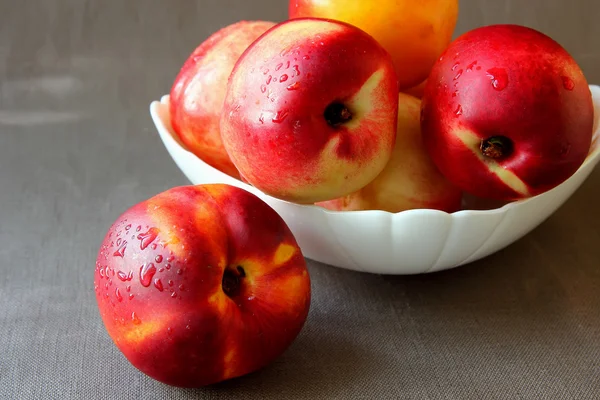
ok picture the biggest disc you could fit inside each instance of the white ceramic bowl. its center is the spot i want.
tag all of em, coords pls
(408, 242)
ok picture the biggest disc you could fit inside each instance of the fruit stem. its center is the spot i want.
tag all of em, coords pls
(337, 114)
(496, 147)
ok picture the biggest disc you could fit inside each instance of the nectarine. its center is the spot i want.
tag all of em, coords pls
(200, 284)
(414, 32)
(197, 94)
(311, 109)
(507, 113)
(410, 179)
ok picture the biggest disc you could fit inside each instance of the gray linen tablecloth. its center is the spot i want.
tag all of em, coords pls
(77, 147)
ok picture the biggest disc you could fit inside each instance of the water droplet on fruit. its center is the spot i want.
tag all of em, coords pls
(173, 295)
(455, 93)
(458, 74)
(470, 66)
(135, 319)
(158, 258)
(261, 118)
(455, 66)
(295, 71)
(119, 241)
(170, 282)
(294, 86)
(181, 287)
(499, 78)
(101, 272)
(168, 266)
(280, 116)
(128, 227)
(458, 110)
(147, 238)
(283, 78)
(122, 276)
(278, 67)
(154, 246)
(131, 296)
(188, 327)
(263, 88)
(265, 71)
(568, 83)
(120, 252)
(306, 57)
(478, 68)
(106, 285)
(147, 271)
(118, 294)
(287, 64)
(158, 284)
(269, 79)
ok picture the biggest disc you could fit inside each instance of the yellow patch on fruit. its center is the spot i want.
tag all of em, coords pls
(362, 102)
(138, 333)
(292, 285)
(219, 300)
(511, 180)
(228, 364)
(283, 254)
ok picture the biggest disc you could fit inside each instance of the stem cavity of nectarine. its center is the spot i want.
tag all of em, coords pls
(232, 281)
(496, 147)
(337, 114)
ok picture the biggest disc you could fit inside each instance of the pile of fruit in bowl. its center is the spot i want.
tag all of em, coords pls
(357, 135)
(366, 137)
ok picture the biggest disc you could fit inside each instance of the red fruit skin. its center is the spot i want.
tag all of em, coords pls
(158, 283)
(273, 125)
(516, 82)
(197, 94)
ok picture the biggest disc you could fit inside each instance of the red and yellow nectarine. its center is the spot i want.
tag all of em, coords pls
(197, 94)
(200, 284)
(311, 109)
(507, 113)
(410, 179)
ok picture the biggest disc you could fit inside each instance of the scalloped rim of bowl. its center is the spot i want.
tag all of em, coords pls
(165, 130)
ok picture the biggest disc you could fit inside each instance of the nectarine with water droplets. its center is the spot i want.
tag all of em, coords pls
(507, 113)
(310, 112)
(211, 285)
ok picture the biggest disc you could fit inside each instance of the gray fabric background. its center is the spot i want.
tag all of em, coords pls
(77, 147)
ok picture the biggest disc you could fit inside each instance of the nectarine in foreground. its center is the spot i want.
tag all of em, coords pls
(200, 284)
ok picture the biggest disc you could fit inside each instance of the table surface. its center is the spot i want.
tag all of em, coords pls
(77, 148)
